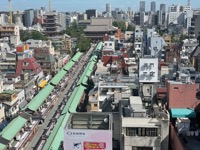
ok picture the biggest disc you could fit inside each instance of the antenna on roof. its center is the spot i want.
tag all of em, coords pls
(50, 5)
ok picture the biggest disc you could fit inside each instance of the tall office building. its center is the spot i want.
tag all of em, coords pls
(142, 6)
(108, 10)
(153, 6)
(162, 14)
(28, 17)
(91, 13)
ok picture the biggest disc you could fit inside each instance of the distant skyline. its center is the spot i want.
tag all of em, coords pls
(82, 5)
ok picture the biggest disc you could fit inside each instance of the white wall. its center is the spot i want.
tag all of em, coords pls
(148, 70)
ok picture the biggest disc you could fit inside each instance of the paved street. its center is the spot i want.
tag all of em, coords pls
(73, 75)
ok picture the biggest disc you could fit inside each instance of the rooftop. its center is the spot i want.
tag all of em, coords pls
(97, 121)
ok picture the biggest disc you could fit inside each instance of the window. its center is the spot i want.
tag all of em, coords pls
(142, 132)
(110, 44)
(95, 105)
(176, 88)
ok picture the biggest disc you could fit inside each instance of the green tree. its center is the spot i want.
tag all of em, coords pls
(130, 27)
(120, 24)
(83, 43)
(35, 35)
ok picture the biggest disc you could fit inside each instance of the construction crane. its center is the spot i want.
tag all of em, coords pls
(50, 5)
(10, 11)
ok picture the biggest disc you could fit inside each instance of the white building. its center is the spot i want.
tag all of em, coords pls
(180, 15)
(138, 41)
(139, 131)
(39, 44)
(128, 35)
(155, 44)
(148, 70)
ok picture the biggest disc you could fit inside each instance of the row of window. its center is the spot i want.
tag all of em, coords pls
(142, 132)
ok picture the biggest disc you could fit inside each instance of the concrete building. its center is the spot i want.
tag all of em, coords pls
(28, 17)
(129, 35)
(187, 48)
(3, 19)
(91, 13)
(46, 60)
(155, 44)
(11, 100)
(195, 29)
(18, 19)
(138, 40)
(148, 70)
(27, 84)
(62, 20)
(138, 130)
(39, 44)
(82, 16)
(162, 14)
(98, 133)
(10, 31)
(109, 48)
(108, 10)
(180, 15)
(153, 6)
(142, 6)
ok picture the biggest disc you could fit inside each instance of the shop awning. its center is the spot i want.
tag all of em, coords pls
(183, 113)
(43, 84)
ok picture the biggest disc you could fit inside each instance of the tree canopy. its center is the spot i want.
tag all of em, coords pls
(35, 35)
(120, 24)
(130, 27)
(83, 43)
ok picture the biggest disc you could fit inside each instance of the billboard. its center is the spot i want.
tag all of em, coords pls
(75, 139)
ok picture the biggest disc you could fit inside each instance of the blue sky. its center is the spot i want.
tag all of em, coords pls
(81, 5)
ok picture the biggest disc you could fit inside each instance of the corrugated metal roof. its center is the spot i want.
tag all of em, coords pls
(10, 131)
(183, 113)
(40, 97)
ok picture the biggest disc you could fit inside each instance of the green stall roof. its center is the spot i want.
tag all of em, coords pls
(92, 65)
(183, 113)
(69, 65)
(40, 97)
(58, 77)
(10, 131)
(77, 56)
(2, 146)
(76, 99)
(85, 80)
(57, 135)
(88, 73)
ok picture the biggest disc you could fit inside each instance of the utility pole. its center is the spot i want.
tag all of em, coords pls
(10, 11)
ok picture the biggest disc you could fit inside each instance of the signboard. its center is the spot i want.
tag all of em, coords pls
(75, 139)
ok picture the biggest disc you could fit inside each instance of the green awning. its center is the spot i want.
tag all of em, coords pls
(183, 113)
